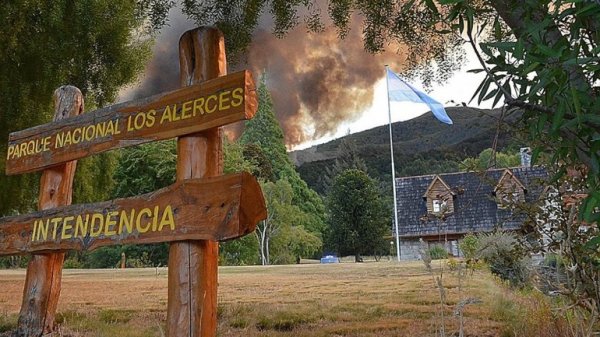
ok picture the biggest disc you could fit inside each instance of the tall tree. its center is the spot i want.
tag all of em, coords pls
(357, 216)
(265, 132)
(48, 44)
(346, 158)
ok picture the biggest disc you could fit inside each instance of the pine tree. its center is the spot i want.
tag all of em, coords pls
(265, 132)
(346, 158)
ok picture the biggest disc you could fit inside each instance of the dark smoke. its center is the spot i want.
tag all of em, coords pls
(162, 72)
(316, 80)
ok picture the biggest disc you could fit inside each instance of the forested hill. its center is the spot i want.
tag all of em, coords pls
(422, 145)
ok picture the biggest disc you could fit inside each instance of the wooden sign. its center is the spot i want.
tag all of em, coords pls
(191, 109)
(218, 208)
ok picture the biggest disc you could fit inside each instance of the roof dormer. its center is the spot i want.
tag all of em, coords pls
(439, 197)
(509, 190)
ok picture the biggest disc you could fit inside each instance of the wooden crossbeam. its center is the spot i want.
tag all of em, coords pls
(191, 109)
(219, 208)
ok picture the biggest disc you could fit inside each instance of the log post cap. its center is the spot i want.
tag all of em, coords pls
(68, 102)
(201, 30)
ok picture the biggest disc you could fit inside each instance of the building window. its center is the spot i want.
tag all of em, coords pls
(437, 206)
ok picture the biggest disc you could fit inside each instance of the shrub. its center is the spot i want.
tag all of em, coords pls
(453, 264)
(468, 246)
(73, 263)
(438, 252)
(500, 250)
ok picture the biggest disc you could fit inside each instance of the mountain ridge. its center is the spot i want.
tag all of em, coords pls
(423, 138)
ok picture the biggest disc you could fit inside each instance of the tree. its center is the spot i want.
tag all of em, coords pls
(265, 132)
(293, 243)
(357, 215)
(239, 252)
(145, 168)
(489, 159)
(48, 44)
(346, 158)
(281, 237)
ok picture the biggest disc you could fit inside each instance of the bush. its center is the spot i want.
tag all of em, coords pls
(468, 246)
(72, 262)
(438, 252)
(500, 250)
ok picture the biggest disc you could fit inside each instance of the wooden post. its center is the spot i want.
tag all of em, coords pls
(192, 302)
(44, 272)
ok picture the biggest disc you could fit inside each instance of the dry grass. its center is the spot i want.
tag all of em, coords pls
(369, 299)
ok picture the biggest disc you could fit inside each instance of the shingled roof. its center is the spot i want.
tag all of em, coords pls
(475, 207)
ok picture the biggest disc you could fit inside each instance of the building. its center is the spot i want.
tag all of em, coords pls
(442, 208)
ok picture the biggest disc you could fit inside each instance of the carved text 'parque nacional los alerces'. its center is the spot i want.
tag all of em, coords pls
(188, 110)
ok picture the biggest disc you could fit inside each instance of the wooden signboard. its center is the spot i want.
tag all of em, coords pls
(219, 208)
(200, 209)
(191, 109)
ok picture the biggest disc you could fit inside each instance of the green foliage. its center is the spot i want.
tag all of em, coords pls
(263, 168)
(14, 261)
(103, 257)
(145, 168)
(264, 132)
(357, 215)
(501, 251)
(239, 252)
(438, 252)
(293, 243)
(283, 236)
(48, 44)
(136, 256)
(468, 246)
(72, 262)
(346, 158)
(488, 159)
(235, 159)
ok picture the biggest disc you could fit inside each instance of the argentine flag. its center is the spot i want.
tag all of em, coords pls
(400, 91)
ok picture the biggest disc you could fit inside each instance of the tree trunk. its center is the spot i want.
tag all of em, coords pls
(193, 265)
(44, 272)
(267, 254)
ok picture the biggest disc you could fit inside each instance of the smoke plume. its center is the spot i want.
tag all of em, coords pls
(317, 81)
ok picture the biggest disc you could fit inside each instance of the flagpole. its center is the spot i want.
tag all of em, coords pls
(393, 168)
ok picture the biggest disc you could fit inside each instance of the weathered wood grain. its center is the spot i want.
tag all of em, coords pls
(219, 208)
(193, 265)
(44, 272)
(191, 109)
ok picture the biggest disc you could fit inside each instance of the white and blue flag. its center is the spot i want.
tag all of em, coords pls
(400, 91)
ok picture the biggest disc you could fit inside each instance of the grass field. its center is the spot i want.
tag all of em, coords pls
(368, 299)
